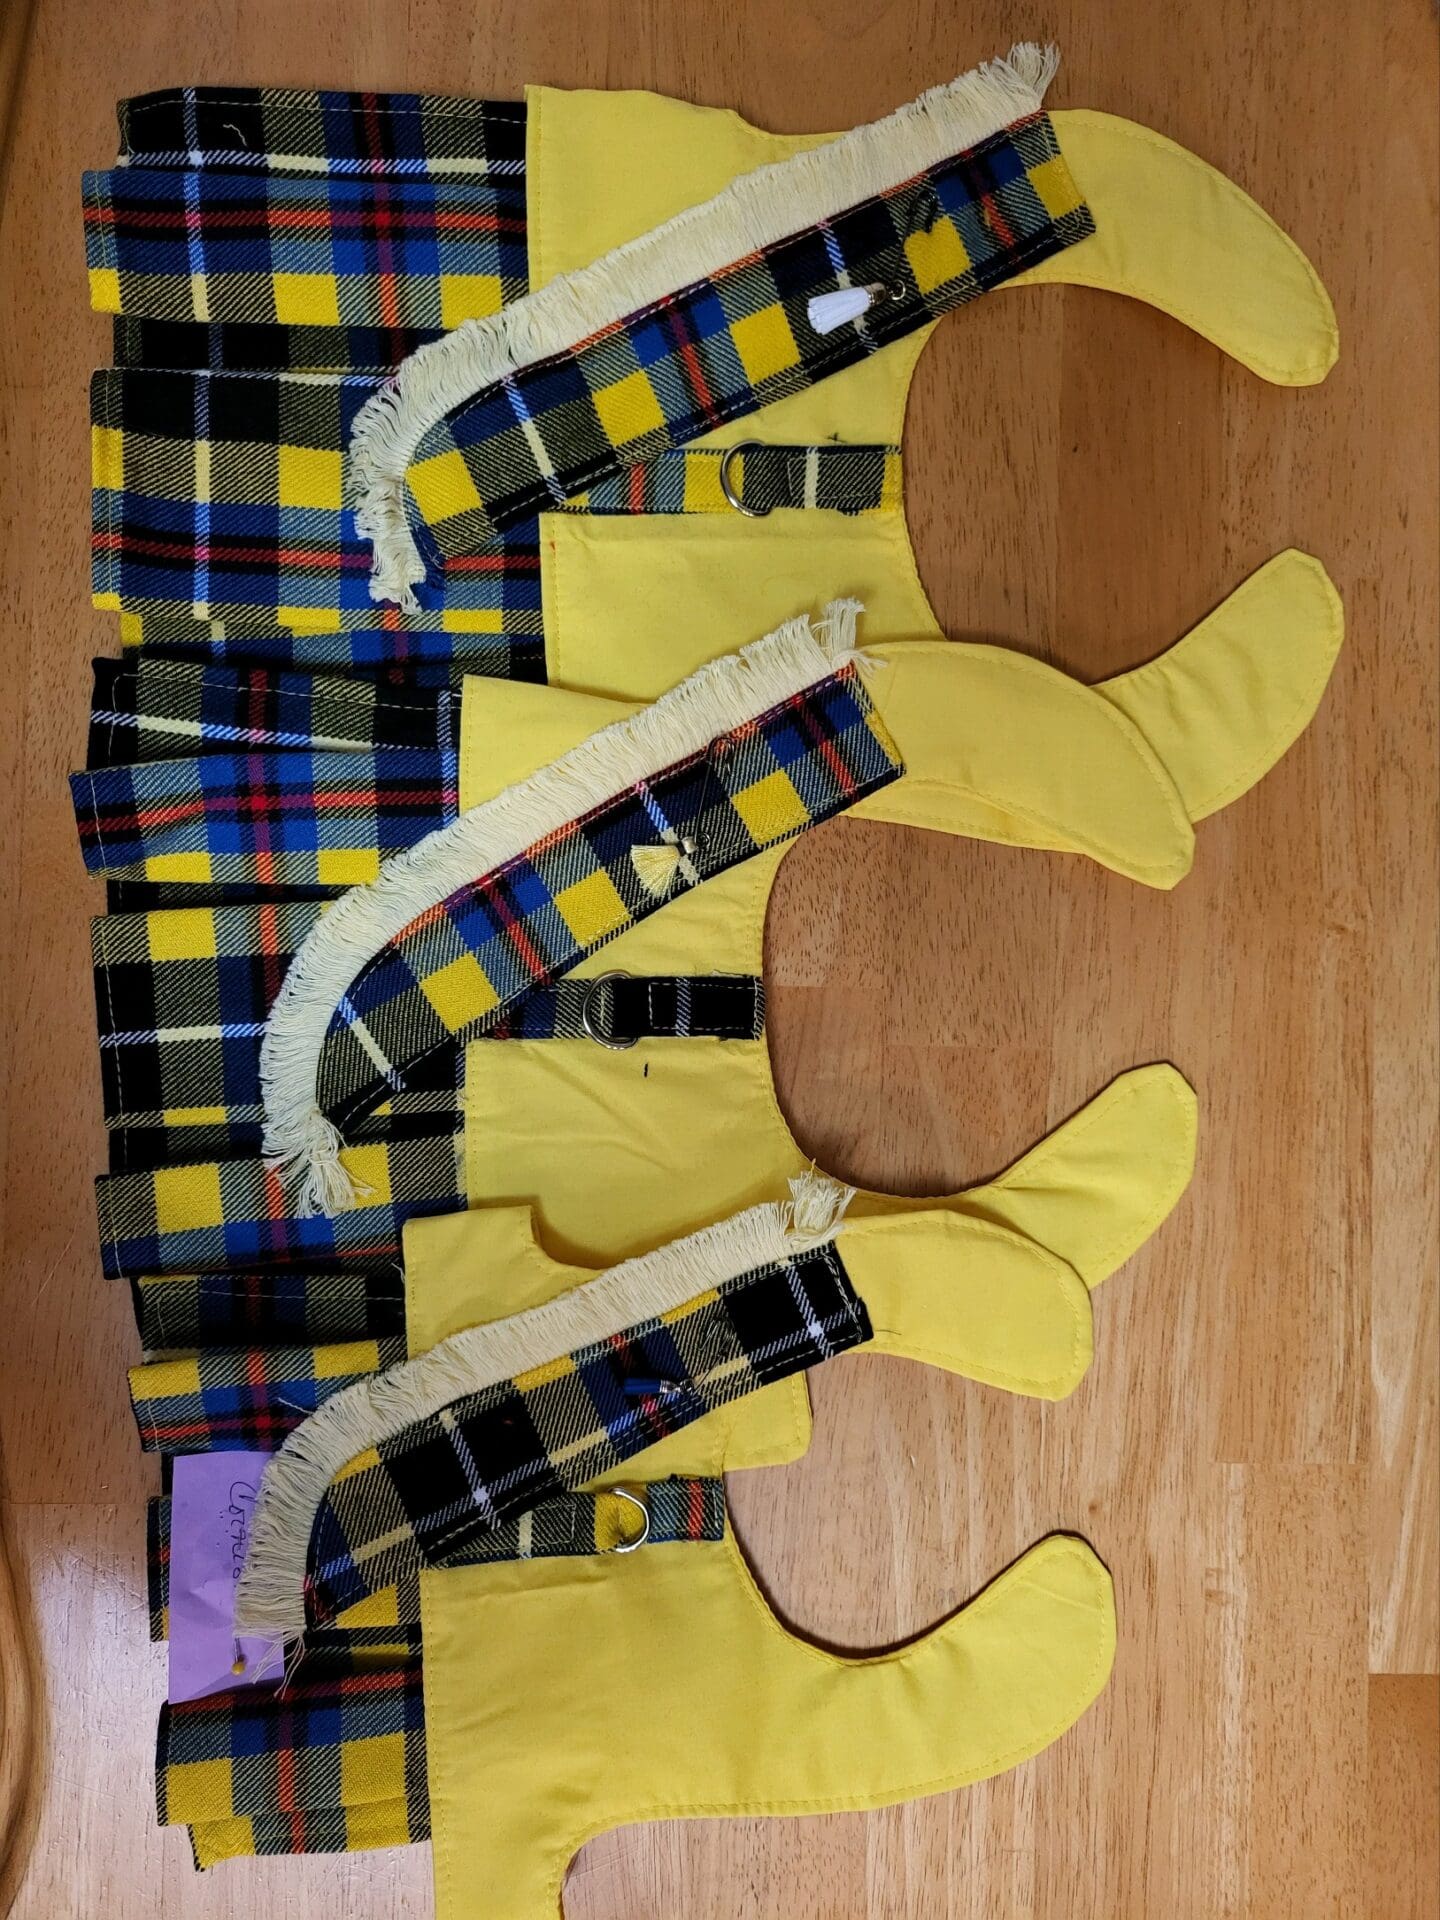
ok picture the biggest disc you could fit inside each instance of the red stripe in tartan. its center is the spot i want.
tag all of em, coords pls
(699, 385)
(260, 807)
(368, 222)
(492, 563)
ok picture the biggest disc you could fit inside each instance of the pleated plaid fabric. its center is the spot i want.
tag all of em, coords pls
(149, 708)
(176, 1313)
(390, 654)
(181, 998)
(459, 968)
(725, 346)
(257, 347)
(333, 249)
(302, 130)
(489, 1456)
(236, 1213)
(327, 1741)
(287, 818)
(219, 497)
(221, 1399)
(378, 1823)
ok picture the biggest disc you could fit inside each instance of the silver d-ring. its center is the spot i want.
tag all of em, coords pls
(731, 492)
(587, 1014)
(632, 1546)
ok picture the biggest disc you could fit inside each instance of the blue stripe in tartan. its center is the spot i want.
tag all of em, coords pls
(207, 244)
(283, 811)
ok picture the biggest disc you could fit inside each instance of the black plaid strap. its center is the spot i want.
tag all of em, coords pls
(753, 478)
(617, 1009)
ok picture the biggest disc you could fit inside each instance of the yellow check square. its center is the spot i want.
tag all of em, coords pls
(309, 477)
(771, 808)
(184, 933)
(306, 300)
(765, 343)
(346, 866)
(937, 257)
(592, 908)
(1053, 182)
(628, 410)
(460, 992)
(468, 296)
(442, 487)
(372, 1769)
(188, 1197)
(197, 1790)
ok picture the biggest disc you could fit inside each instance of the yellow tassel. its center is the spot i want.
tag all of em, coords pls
(656, 868)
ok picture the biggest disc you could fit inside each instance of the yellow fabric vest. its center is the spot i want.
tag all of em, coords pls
(594, 1142)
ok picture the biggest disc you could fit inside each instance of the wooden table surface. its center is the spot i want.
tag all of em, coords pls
(1254, 1451)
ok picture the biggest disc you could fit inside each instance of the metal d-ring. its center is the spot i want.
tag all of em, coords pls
(731, 492)
(633, 1546)
(587, 1014)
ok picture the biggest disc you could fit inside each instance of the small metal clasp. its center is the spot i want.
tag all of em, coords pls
(587, 1014)
(730, 491)
(643, 1507)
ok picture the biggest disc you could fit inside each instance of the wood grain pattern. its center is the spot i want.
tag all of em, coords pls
(1255, 1449)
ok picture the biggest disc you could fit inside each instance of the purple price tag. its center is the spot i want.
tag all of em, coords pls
(212, 1500)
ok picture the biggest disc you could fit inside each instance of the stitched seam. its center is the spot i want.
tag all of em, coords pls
(847, 1802)
(996, 1377)
(1044, 1150)
(1255, 214)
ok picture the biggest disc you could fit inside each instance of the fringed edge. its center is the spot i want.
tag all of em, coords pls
(754, 211)
(299, 1141)
(270, 1596)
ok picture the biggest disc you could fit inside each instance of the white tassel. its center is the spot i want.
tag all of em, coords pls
(828, 312)
(718, 697)
(752, 212)
(270, 1596)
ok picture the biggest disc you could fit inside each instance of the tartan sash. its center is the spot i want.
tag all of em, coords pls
(459, 968)
(414, 1499)
(499, 421)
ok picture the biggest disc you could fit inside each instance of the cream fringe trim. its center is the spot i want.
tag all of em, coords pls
(754, 211)
(299, 1139)
(270, 1597)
